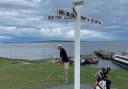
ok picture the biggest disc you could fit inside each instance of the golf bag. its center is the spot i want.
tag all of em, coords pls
(102, 81)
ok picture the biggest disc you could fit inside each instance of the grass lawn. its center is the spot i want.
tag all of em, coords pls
(21, 74)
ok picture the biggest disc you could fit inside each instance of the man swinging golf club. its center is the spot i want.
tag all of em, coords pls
(65, 60)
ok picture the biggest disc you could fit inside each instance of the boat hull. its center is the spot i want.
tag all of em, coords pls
(120, 62)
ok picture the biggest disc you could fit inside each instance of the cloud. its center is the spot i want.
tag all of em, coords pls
(111, 27)
(69, 33)
(18, 3)
(50, 32)
(5, 37)
(21, 19)
(8, 13)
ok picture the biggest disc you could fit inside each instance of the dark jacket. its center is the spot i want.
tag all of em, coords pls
(64, 56)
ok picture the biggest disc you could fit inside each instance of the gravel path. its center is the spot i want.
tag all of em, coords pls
(71, 87)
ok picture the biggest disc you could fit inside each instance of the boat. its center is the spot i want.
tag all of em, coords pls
(121, 59)
(103, 54)
(93, 61)
(89, 61)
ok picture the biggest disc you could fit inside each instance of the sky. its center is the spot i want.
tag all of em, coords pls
(25, 20)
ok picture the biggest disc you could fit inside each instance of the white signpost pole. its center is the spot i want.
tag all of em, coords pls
(77, 6)
(77, 52)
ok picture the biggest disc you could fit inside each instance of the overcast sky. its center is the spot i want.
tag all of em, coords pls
(23, 20)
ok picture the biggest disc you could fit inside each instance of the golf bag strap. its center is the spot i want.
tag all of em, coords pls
(99, 86)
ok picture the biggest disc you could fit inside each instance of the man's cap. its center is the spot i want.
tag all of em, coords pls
(59, 45)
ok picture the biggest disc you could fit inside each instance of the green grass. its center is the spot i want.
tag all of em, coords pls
(119, 78)
(22, 74)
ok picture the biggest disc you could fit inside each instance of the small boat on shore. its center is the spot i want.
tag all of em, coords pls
(88, 59)
(121, 59)
(93, 61)
(103, 54)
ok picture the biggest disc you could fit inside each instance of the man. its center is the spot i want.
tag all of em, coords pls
(65, 60)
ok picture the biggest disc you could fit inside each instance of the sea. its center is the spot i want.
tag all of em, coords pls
(45, 50)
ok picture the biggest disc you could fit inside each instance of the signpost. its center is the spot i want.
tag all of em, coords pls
(75, 14)
(76, 9)
(62, 14)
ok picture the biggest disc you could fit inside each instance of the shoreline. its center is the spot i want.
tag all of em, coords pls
(54, 61)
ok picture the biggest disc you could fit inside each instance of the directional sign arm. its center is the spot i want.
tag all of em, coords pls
(90, 20)
(72, 15)
(65, 13)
